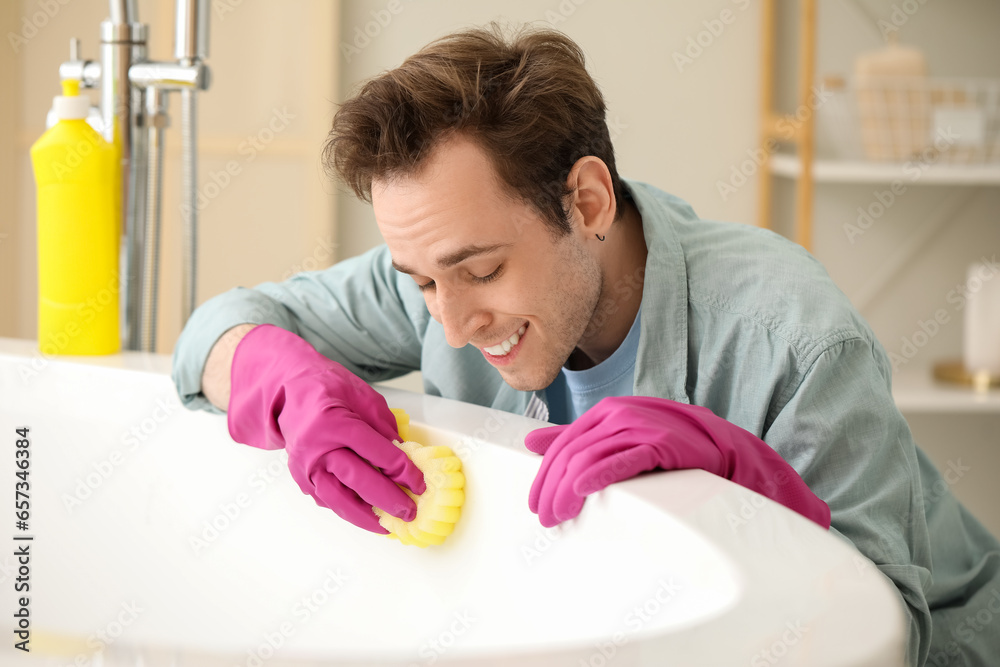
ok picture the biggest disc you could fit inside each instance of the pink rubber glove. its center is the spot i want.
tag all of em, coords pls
(337, 430)
(622, 436)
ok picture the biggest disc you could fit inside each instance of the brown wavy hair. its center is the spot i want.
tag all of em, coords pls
(526, 99)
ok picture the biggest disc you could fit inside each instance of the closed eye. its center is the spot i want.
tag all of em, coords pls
(481, 280)
(490, 278)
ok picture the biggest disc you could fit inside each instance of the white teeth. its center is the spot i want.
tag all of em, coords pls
(506, 346)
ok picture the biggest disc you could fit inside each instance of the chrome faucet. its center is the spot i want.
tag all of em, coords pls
(133, 114)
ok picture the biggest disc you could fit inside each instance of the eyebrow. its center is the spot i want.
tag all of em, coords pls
(457, 257)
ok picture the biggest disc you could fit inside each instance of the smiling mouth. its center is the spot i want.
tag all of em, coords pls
(504, 348)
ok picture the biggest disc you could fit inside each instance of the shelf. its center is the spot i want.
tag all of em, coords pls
(916, 390)
(857, 171)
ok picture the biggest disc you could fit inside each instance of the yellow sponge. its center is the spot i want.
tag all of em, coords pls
(440, 505)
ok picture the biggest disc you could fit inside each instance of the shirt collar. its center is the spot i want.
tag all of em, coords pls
(661, 364)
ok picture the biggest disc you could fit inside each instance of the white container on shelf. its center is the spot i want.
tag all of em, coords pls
(982, 320)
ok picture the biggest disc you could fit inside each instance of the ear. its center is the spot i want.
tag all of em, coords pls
(592, 208)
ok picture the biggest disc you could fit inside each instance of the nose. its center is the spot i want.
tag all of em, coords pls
(459, 314)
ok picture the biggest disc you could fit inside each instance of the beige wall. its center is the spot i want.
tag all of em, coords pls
(274, 67)
(9, 188)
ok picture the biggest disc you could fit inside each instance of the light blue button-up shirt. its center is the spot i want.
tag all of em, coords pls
(734, 318)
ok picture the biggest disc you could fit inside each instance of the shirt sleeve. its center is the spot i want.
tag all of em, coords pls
(842, 432)
(361, 313)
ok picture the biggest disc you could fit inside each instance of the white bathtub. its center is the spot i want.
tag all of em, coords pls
(160, 541)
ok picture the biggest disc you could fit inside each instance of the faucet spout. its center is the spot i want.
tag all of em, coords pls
(190, 48)
(191, 30)
(122, 11)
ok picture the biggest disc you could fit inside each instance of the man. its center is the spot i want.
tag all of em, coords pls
(520, 272)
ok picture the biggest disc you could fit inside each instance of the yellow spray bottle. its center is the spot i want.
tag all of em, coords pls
(79, 229)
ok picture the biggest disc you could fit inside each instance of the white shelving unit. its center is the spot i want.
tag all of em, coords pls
(844, 171)
(916, 390)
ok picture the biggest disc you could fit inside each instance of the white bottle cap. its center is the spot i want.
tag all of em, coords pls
(71, 105)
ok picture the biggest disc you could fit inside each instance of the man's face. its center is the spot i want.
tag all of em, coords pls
(489, 268)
